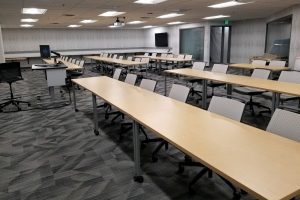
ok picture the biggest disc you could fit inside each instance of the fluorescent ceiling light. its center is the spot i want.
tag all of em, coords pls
(88, 21)
(74, 26)
(111, 14)
(136, 22)
(174, 23)
(149, 26)
(26, 25)
(170, 15)
(149, 1)
(227, 4)
(112, 26)
(217, 17)
(34, 11)
(29, 20)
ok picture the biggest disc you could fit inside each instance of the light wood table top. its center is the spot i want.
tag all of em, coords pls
(251, 66)
(165, 58)
(116, 61)
(270, 85)
(70, 66)
(263, 164)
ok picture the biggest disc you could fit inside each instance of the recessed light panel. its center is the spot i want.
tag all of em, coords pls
(136, 22)
(74, 26)
(227, 4)
(174, 23)
(29, 20)
(170, 15)
(217, 17)
(111, 14)
(149, 1)
(34, 11)
(88, 21)
(26, 25)
(149, 26)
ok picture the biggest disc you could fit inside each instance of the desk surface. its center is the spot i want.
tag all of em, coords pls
(263, 164)
(165, 58)
(70, 66)
(270, 85)
(250, 66)
(116, 61)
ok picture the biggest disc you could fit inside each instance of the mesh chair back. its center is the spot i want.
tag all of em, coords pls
(10, 72)
(121, 57)
(154, 54)
(179, 92)
(129, 58)
(297, 64)
(115, 56)
(130, 79)
(77, 62)
(148, 84)
(180, 56)
(81, 64)
(189, 57)
(117, 74)
(261, 73)
(146, 54)
(286, 124)
(277, 63)
(227, 107)
(220, 68)
(163, 55)
(290, 76)
(259, 62)
(199, 66)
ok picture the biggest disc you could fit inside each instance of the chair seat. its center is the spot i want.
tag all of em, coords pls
(283, 97)
(248, 90)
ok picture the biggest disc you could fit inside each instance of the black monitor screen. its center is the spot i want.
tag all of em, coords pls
(161, 40)
(45, 51)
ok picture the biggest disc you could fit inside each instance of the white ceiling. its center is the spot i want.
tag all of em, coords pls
(194, 11)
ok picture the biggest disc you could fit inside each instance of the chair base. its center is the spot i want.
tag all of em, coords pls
(13, 102)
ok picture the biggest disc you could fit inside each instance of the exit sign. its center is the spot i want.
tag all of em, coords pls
(226, 22)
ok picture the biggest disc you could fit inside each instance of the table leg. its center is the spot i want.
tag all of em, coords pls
(229, 90)
(137, 157)
(165, 84)
(51, 92)
(96, 127)
(204, 93)
(74, 98)
(275, 101)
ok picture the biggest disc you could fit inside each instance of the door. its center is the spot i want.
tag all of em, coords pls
(220, 40)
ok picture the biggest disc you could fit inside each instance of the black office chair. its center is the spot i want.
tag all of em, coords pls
(10, 73)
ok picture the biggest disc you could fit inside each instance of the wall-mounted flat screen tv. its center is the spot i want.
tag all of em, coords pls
(161, 40)
(45, 51)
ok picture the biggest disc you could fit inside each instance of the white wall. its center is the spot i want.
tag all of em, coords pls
(69, 39)
(2, 59)
(174, 37)
(247, 40)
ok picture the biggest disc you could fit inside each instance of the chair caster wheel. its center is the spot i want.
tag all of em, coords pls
(96, 132)
(138, 179)
(180, 170)
(76, 110)
(236, 196)
(154, 159)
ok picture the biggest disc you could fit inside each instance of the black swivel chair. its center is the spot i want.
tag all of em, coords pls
(10, 73)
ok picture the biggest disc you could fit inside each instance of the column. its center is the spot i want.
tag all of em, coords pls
(2, 59)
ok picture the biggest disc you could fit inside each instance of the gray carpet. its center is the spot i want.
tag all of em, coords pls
(49, 152)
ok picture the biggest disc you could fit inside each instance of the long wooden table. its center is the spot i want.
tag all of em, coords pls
(263, 164)
(251, 67)
(276, 87)
(124, 63)
(70, 66)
